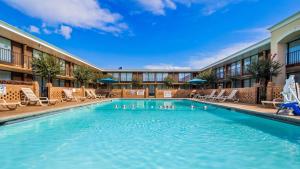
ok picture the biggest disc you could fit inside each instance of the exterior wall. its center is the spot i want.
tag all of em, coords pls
(22, 54)
(279, 39)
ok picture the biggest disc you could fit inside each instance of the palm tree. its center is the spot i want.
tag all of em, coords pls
(169, 81)
(264, 70)
(46, 66)
(83, 74)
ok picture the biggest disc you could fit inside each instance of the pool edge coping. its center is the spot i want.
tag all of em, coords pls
(36, 114)
(276, 117)
(41, 113)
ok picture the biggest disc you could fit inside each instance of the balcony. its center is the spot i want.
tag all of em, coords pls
(293, 58)
(11, 58)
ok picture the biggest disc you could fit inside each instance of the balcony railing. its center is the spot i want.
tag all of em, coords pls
(9, 57)
(5, 55)
(293, 58)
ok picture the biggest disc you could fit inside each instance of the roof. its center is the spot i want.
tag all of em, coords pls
(285, 21)
(42, 42)
(151, 70)
(239, 53)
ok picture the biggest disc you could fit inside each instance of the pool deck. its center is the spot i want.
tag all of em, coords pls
(257, 110)
(27, 112)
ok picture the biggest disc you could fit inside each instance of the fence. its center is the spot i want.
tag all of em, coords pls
(12, 91)
(57, 92)
(245, 95)
(274, 92)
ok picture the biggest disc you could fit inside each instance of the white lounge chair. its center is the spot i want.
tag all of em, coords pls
(212, 94)
(89, 95)
(68, 96)
(31, 98)
(219, 96)
(231, 96)
(275, 103)
(10, 106)
(95, 96)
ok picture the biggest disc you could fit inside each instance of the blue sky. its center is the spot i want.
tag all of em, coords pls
(167, 34)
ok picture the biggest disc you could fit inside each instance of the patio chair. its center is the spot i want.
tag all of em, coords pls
(219, 96)
(230, 97)
(31, 98)
(193, 93)
(92, 92)
(10, 106)
(275, 102)
(68, 96)
(89, 95)
(212, 94)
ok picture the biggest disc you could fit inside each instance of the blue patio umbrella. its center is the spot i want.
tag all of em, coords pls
(107, 81)
(197, 81)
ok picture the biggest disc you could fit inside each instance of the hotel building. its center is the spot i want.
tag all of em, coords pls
(17, 48)
(283, 45)
(152, 79)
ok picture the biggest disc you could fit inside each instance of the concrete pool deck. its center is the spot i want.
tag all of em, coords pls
(257, 110)
(33, 111)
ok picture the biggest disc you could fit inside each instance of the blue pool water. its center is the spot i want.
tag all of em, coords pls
(100, 136)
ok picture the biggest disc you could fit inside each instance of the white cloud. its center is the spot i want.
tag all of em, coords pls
(166, 67)
(34, 29)
(87, 14)
(256, 33)
(209, 7)
(206, 58)
(65, 31)
(157, 6)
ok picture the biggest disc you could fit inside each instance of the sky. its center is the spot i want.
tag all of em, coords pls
(148, 34)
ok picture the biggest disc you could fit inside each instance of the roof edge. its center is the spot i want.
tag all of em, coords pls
(243, 51)
(42, 42)
(285, 21)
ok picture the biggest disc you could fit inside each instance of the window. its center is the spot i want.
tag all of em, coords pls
(220, 73)
(236, 84)
(235, 69)
(62, 67)
(4, 75)
(5, 50)
(62, 83)
(161, 76)
(248, 61)
(148, 77)
(126, 77)
(249, 82)
(293, 52)
(184, 77)
(116, 76)
(55, 82)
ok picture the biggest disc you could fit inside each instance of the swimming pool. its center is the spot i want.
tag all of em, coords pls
(149, 134)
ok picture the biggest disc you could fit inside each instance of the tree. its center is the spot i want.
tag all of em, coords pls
(169, 81)
(136, 83)
(83, 74)
(264, 70)
(207, 75)
(46, 66)
(99, 75)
